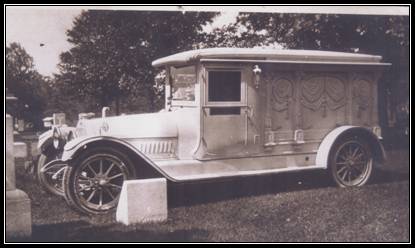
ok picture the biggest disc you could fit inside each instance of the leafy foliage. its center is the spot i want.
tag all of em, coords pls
(24, 82)
(113, 50)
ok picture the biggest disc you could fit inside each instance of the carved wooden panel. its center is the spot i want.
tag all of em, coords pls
(323, 99)
(280, 95)
(362, 99)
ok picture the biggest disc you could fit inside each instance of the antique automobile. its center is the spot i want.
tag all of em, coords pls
(235, 112)
(49, 169)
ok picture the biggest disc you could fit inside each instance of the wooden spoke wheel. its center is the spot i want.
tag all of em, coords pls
(93, 185)
(351, 162)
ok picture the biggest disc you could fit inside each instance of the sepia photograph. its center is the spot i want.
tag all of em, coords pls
(207, 124)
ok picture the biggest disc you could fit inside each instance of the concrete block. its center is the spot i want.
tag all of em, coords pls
(143, 201)
(20, 150)
(18, 214)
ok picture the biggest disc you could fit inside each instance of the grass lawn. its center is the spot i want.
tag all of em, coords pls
(290, 207)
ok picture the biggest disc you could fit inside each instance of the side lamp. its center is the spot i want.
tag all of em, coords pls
(257, 73)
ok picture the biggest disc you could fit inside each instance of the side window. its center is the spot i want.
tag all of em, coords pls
(224, 86)
(224, 89)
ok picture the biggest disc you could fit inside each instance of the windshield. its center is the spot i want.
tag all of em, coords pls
(183, 80)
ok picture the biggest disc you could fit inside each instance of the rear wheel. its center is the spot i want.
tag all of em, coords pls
(351, 162)
(50, 177)
(93, 183)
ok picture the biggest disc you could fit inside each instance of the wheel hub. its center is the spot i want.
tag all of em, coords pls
(102, 182)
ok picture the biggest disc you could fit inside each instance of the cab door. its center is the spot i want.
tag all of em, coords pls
(224, 129)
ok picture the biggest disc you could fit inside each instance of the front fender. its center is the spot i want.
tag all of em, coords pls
(80, 144)
(324, 149)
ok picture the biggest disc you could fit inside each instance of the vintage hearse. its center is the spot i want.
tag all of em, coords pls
(232, 112)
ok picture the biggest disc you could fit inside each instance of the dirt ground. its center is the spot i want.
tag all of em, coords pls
(290, 207)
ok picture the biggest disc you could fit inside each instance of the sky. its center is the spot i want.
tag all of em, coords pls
(33, 26)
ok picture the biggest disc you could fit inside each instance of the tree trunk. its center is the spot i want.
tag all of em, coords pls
(117, 105)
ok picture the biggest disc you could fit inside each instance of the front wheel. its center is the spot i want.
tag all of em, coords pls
(351, 162)
(93, 183)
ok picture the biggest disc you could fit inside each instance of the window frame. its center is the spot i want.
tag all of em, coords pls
(241, 103)
(181, 103)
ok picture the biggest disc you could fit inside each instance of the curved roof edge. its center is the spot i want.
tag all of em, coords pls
(266, 54)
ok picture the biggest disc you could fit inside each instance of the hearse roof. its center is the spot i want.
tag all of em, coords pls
(267, 55)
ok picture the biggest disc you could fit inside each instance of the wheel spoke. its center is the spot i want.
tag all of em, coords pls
(109, 192)
(114, 186)
(115, 176)
(355, 152)
(109, 169)
(100, 166)
(358, 156)
(344, 175)
(350, 151)
(90, 168)
(342, 157)
(100, 198)
(91, 195)
(349, 175)
(341, 170)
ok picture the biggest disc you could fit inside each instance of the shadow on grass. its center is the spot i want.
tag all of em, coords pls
(187, 194)
(83, 231)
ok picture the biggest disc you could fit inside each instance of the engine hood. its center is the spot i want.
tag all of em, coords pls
(154, 125)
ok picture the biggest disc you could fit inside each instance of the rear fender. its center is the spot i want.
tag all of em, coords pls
(335, 135)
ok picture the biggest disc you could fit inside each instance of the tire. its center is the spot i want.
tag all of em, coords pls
(50, 180)
(351, 162)
(93, 182)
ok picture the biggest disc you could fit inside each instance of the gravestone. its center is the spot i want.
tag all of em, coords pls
(18, 211)
(59, 119)
(20, 125)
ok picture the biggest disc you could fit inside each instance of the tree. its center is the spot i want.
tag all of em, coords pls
(26, 84)
(113, 50)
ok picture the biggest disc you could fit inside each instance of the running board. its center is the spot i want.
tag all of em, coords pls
(213, 176)
(192, 170)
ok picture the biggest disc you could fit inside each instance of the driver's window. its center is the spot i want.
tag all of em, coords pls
(183, 80)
